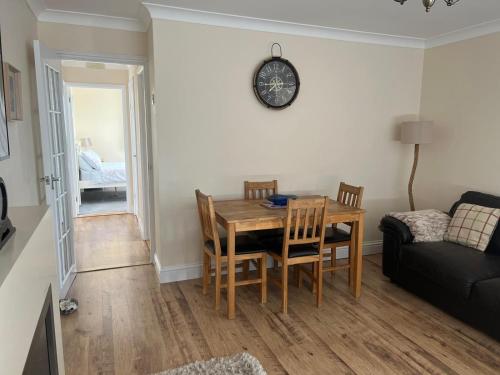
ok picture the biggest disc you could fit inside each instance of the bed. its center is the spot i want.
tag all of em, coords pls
(96, 174)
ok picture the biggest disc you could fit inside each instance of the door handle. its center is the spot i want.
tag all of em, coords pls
(49, 180)
(54, 179)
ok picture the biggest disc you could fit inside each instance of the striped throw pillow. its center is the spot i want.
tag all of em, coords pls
(473, 226)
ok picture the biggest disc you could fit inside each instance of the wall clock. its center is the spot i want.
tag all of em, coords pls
(276, 82)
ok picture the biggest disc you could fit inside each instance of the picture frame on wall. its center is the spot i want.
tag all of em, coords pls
(13, 95)
(4, 132)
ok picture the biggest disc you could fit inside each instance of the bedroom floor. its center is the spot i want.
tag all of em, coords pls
(108, 241)
(96, 201)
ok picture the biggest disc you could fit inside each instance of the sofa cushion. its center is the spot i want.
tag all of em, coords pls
(454, 267)
(486, 200)
(486, 295)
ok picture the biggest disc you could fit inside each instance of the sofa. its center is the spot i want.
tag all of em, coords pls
(460, 280)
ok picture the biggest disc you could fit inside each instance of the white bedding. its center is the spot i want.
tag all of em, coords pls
(109, 173)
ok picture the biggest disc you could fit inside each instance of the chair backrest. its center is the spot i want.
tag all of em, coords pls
(260, 190)
(305, 222)
(207, 220)
(350, 195)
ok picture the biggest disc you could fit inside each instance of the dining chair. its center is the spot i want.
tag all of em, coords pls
(336, 237)
(215, 247)
(257, 190)
(301, 243)
(260, 189)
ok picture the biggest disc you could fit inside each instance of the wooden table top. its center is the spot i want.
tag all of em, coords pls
(241, 211)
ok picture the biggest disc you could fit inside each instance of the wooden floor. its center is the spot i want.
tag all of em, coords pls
(108, 241)
(128, 324)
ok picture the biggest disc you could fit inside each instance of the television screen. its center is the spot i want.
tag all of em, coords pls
(4, 135)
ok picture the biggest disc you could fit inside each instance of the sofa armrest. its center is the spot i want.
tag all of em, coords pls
(396, 227)
(396, 233)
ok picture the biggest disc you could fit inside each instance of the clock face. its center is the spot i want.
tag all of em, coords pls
(276, 83)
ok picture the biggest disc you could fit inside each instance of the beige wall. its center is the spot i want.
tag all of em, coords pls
(213, 134)
(22, 170)
(93, 40)
(86, 75)
(154, 213)
(461, 93)
(98, 114)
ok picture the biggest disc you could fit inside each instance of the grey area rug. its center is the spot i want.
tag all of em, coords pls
(239, 364)
(95, 201)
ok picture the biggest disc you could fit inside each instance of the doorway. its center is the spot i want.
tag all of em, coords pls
(55, 73)
(107, 179)
(101, 145)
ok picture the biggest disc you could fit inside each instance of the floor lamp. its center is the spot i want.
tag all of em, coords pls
(415, 133)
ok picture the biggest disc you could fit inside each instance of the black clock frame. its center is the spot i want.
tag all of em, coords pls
(297, 85)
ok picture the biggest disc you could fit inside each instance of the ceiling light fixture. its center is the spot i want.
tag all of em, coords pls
(429, 3)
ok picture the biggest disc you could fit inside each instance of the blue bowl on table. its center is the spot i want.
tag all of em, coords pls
(280, 199)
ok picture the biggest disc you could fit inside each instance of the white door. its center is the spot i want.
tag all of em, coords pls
(133, 142)
(72, 150)
(55, 158)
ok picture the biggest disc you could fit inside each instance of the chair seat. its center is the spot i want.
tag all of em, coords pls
(260, 235)
(243, 245)
(334, 235)
(294, 251)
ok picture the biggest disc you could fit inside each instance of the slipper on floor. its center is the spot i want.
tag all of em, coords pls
(68, 305)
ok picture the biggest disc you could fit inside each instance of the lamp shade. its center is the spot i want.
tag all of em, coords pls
(416, 132)
(86, 142)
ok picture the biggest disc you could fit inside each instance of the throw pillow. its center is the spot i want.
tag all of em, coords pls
(425, 225)
(473, 226)
(92, 158)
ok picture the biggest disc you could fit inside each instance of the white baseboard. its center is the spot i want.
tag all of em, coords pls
(182, 272)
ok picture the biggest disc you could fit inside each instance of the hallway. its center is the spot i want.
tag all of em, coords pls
(108, 241)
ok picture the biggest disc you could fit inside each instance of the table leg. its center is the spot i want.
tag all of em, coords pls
(358, 258)
(231, 272)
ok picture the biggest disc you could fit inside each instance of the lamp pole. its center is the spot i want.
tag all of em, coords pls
(415, 133)
(412, 177)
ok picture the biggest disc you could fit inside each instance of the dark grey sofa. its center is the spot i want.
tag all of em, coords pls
(462, 281)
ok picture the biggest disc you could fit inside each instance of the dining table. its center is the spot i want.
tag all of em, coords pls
(240, 215)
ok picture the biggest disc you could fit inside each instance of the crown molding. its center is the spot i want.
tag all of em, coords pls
(157, 11)
(92, 20)
(464, 34)
(165, 12)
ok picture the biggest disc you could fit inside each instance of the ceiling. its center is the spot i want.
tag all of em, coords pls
(373, 16)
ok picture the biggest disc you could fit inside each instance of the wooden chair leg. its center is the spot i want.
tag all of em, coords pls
(296, 273)
(349, 272)
(209, 270)
(218, 282)
(284, 288)
(263, 277)
(206, 272)
(319, 283)
(275, 265)
(300, 281)
(246, 269)
(333, 261)
(315, 277)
